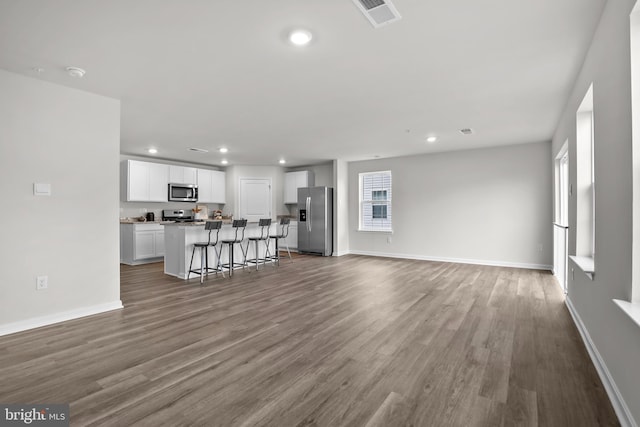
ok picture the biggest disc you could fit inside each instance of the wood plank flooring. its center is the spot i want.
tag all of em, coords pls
(348, 341)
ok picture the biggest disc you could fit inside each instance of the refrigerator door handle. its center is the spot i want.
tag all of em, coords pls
(309, 213)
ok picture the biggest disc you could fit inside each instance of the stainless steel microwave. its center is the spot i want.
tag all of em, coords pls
(183, 193)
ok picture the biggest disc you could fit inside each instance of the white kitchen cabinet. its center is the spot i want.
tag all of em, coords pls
(292, 238)
(144, 244)
(295, 180)
(182, 175)
(146, 182)
(211, 186)
(158, 182)
(141, 243)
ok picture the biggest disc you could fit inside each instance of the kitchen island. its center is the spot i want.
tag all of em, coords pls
(180, 237)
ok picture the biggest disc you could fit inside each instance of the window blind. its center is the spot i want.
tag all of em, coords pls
(375, 201)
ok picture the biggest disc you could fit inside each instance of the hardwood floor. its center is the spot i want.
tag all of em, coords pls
(348, 341)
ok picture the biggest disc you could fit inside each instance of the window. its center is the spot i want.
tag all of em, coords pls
(585, 186)
(632, 308)
(585, 182)
(635, 150)
(375, 201)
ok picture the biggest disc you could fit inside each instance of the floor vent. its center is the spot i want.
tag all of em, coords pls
(378, 12)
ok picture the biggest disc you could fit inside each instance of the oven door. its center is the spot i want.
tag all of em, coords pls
(183, 193)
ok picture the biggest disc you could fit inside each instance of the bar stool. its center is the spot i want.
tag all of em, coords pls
(264, 225)
(284, 232)
(204, 252)
(239, 225)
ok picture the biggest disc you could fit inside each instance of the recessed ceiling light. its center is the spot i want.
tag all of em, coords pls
(224, 161)
(152, 151)
(283, 161)
(432, 139)
(38, 70)
(224, 150)
(300, 37)
(75, 72)
(198, 150)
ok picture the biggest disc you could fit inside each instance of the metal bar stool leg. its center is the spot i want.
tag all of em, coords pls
(193, 252)
(244, 254)
(277, 254)
(288, 251)
(218, 256)
(267, 253)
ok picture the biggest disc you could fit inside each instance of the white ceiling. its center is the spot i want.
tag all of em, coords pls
(210, 73)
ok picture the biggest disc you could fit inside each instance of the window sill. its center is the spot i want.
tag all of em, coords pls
(375, 231)
(586, 264)
(632, 310)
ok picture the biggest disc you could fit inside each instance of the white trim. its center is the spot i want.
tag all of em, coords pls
(618, 403)
(455, 260)
(632, 310)
(341, 253)
(586, 264)
(38, 322)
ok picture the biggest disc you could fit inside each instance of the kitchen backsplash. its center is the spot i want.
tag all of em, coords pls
(137, 209)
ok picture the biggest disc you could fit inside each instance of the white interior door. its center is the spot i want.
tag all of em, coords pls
(255, 198)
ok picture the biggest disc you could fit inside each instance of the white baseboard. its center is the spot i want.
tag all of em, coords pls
(38, 322)
(618, 403)
(455, 260)
(341, 253)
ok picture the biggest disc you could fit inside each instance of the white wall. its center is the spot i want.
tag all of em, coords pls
(70, 139)
(612, 334)
(483, 206)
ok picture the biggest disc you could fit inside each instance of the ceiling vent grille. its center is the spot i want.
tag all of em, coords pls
(378, 12)
(466, 131)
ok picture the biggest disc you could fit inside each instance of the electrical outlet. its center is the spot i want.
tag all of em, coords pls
(42, 283)
(539, 247)
(388, 239)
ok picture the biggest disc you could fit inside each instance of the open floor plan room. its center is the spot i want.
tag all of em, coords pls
(352, 340)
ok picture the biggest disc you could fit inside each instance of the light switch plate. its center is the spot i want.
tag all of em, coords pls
(41, 189)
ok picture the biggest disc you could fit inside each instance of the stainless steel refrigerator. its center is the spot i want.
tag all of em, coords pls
(315, 220)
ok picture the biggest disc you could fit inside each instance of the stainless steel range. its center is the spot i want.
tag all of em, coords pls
(178, 215)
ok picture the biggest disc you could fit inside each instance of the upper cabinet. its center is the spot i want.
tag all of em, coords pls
(146, 182)
(182, 175)
(211, 186)
(295, 180)
(149, 182)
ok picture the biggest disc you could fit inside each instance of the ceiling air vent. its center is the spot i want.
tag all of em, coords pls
(198, 150)
(466, 131)
(378, 12)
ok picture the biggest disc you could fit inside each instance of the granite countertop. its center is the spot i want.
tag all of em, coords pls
(186, 224)
(201, 223)
(135, 221)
